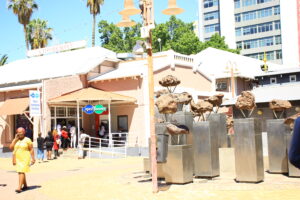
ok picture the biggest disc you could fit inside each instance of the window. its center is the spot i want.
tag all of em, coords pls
(263, 1)
(210, 3)
(60, 111)
(212, 28)
(250, 44)
(207, 39)
(278, 54)
(276, 10)
(52, 111)
(238, 32)
(265, 27)
(237, 17)
(72, 112)
(249, 15)
(239, 45)
(248, 2)
(248, 30)
(211, 16)
(277, 39)
(264, 12)
(270, 55)
(293, 78)
(123, 123)
(264, 42)
(221, 86)
(273, 80)
(277, 25)
(237, 3)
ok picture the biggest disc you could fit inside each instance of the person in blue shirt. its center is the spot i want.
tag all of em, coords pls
(294, 151)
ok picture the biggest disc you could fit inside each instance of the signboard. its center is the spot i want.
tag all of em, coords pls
(99, 109)
(57, 48)
(90, 109)
(34, 103)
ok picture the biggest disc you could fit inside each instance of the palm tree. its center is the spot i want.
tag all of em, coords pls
(94, 10)
(3, 60)
(38, 33)
(23, 9)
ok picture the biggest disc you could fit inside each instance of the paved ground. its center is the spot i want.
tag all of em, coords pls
(114, 179)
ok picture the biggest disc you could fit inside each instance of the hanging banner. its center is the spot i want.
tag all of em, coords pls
(99, 109)
(34, 103)
(88, 109)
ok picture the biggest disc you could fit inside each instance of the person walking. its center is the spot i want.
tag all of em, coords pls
(40, 150)
(56, 143)
(81, 141)
(49, 145)
(65, 138)
(23, 157)
(73, 136)
(294, 151)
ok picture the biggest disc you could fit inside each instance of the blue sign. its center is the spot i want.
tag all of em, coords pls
(34, 95)
(34, 103)
(88, 109)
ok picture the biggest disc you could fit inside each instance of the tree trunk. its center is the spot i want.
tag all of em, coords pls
(93, 33)
(26, 41)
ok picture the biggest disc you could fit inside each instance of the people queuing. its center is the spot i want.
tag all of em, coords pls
(23, 157)
(56, 143)
(40, 149)
(65, 138)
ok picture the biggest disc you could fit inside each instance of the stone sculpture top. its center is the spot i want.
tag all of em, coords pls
(279, 105)
(177, 130)
(216, 100)
(246, 101)
(169, 81)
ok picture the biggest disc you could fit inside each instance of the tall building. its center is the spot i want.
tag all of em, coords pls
(254, 26)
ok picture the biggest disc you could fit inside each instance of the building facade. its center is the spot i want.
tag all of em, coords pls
(254, 26)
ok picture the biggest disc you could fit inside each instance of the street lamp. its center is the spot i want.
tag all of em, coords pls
(147, 11)
(159, 41)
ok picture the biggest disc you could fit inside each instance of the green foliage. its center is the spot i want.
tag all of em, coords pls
(3, 60)
(38, 33)
(174, 34)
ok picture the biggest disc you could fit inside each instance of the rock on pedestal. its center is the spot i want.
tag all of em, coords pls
(248, 150)
(183, 118)
(179, 167)
(293, 171)
(277, 146)
(206, 151)
(220, 119)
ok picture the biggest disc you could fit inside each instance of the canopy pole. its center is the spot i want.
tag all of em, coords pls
(109, 124)
(78, 121)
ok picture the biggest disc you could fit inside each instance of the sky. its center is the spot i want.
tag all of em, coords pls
(71, 21)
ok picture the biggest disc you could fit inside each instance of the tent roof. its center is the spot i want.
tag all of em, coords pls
(92, 94)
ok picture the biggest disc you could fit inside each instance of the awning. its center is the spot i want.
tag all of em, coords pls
(91, 94)
(14, 106)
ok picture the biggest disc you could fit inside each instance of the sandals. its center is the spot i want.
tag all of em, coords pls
(18, 191)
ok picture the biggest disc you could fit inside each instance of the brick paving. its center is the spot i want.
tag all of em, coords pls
(114, 179)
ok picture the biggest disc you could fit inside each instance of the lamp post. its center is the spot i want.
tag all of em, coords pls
(147, 12)
(232, 69)
(159, 41)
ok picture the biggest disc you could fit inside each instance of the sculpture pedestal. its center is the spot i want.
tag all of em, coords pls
(179, 167)
(162, 142)
(220, 120)
(183, 118)
(206, 151)
(248, 150)
(293, 171)
(277, 146)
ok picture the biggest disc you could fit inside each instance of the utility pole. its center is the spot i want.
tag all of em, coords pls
(148, 20)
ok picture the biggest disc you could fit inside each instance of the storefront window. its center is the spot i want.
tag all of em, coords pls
(52, 110)
(72, 112)
(60, 111)
(123, 123)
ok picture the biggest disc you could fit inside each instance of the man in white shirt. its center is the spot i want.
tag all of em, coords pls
(82, 137)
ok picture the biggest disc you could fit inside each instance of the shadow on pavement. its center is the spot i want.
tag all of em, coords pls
(3, 185)
(33, 187)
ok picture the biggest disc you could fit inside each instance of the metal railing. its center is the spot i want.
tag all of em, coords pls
(115, 148)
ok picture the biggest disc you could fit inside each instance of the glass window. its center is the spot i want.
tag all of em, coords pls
(263, 1)
(72, 112)
(249, 15)
(210, 3)
(238, 32)
(276, 10)
(123, 123)
(266, 42)
(277, 25)
(277, 39)
(212, 28)
(264, 12)
(211, 16)
(278, 54)
(265, 27)
(248, 3)
(239, 45)
(221, 86)
(293, 78)
(207, 39)
(270, 55)
(237, 3)
(237, 17)
(250, 44)
(52, 111)
(61, 111)
(273, 80)
(248, 30)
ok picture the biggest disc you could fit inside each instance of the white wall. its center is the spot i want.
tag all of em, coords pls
(227, 22)
(200, 21)
(289, 32)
